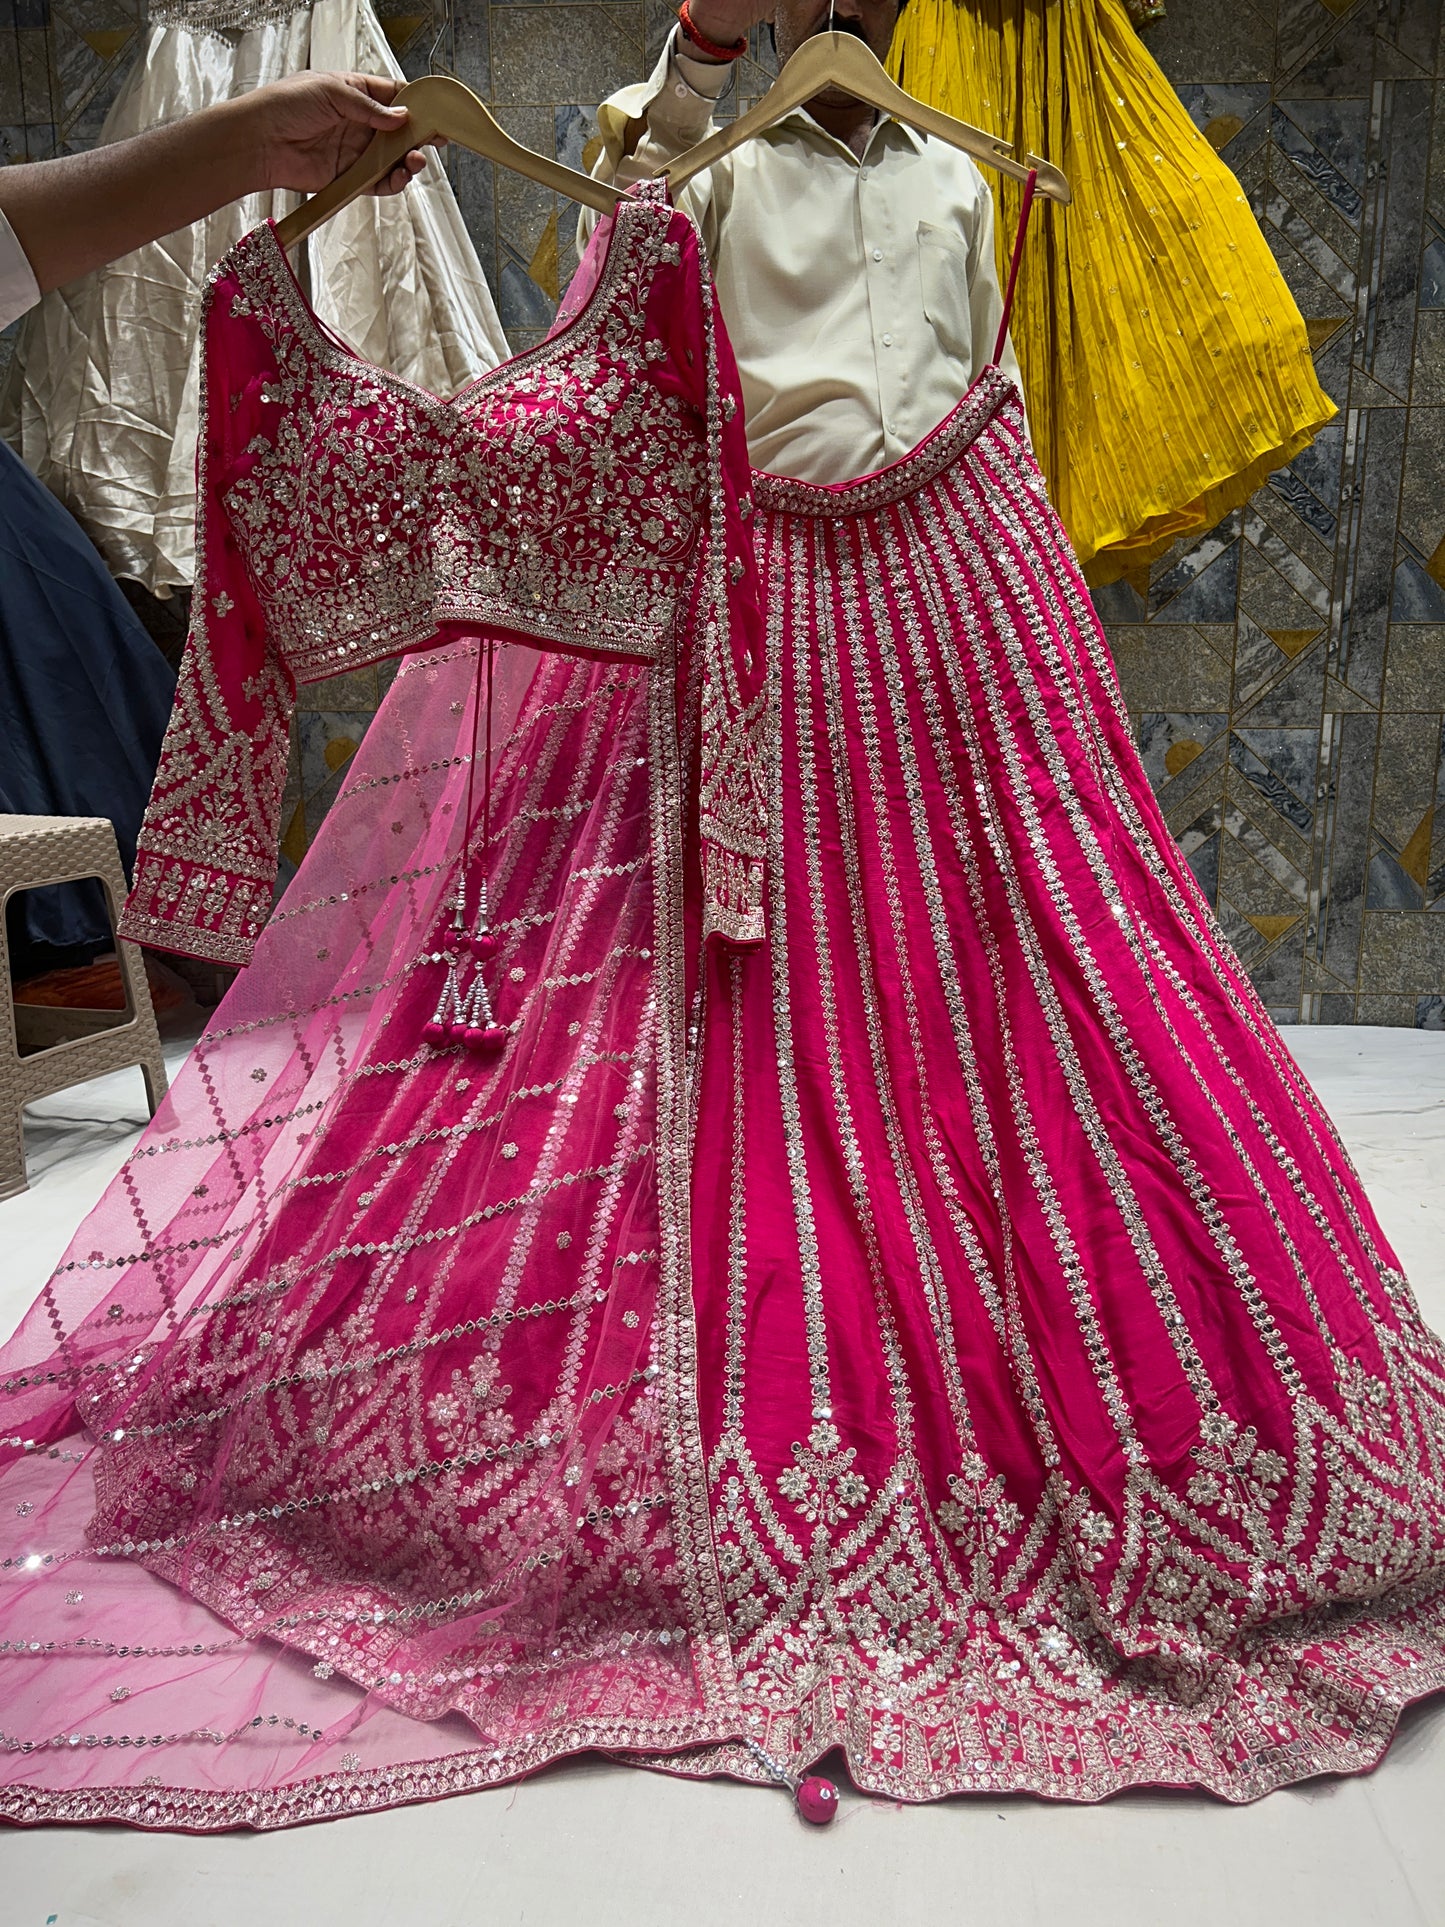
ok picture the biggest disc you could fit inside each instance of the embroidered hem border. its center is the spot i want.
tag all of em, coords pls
(936, 1761)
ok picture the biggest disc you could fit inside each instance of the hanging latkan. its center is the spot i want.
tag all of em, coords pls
(464, 1012)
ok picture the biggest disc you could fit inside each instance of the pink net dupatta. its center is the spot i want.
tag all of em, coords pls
(350, 1453)
(377, 1348)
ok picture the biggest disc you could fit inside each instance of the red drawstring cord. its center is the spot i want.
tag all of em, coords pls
(1013, 266)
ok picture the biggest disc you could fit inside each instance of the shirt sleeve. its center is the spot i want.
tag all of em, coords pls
(19, 289)
(646, 126)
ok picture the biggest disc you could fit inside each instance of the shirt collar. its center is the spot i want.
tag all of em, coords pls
(802, 120)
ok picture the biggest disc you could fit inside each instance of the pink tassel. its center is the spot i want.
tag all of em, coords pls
(485, 942)
(449, 1018)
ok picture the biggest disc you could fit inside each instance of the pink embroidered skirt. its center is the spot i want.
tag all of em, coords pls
(951, 1332)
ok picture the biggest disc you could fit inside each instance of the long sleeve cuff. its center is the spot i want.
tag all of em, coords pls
(674, 107)
(19, 289)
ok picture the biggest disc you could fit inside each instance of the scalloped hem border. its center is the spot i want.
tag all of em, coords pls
(701, 1755)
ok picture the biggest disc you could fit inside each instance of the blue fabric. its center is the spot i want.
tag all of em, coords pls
(84, 700)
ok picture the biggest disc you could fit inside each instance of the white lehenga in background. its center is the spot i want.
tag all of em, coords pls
(102, 396)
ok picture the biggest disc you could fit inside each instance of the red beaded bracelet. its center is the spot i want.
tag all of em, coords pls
(701, 41)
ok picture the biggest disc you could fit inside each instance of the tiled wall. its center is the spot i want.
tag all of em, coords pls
(1287, 671)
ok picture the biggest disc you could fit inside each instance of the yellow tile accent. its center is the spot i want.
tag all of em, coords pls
(293, 840)
(1319, 328)
(106, 41)
(1414, 859)
(1292, 641)
(1435, 567)
(401, 29)
(339, 750)
(543, 265)
(1180, 755)
(1273, 928)
(1222, 129)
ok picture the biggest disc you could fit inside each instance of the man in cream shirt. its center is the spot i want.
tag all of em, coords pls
(853, 258)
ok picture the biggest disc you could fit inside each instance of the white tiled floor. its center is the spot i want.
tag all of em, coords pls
(606, 1844)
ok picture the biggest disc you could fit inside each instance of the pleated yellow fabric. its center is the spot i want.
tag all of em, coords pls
(1166, 366)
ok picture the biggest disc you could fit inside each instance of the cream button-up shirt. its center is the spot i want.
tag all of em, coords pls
(860, 295)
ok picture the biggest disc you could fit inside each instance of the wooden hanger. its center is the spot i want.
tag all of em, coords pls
(843, 61)
(440, 105)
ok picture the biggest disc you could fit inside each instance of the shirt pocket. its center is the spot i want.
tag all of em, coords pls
(943, 272)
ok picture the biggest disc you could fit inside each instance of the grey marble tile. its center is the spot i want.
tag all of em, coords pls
(1161, 665)
(1291, 550)
(1391, 232)
(1169, 743)
(1430, 287)
(1373, 464)
(1221, 111)
(1411, 29)
(471, 44)
(1285, 849)
(1272, 788)
(1201, 852)
(1395, 1011)
(1327, 141)
(1310, 157)
(565, 52)
(1272, 848)
(1422, 490)
(1415, 594)
(473, 180)
(1252, 891)
(1347, 776)
(1322, 54)
(1415, 666)
(1294, 697)
(1403, 953)
(1317, 234)
(1216, 41)
(1201, 586)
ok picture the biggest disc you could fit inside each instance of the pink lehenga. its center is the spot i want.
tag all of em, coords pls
(947, 1329)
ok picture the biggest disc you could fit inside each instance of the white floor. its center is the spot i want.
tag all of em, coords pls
(605, 1844)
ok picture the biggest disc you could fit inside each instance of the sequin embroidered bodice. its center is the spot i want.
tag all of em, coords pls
(588, 496)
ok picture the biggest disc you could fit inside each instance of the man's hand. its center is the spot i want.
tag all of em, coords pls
(311, 127)
(724, 22)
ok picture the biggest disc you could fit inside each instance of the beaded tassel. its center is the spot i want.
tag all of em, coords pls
(450, 1010)
(464, 1013)
(482, 1032)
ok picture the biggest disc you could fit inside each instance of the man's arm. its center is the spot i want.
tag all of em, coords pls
(80, 211)
(647, 126)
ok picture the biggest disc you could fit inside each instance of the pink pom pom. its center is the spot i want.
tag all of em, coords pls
(490, 1037)
(435, 1033)
(817, 1800)
(485, 944)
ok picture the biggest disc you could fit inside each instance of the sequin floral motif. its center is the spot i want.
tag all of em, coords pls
(583, 497)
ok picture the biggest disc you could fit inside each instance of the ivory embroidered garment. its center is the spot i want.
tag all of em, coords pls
(948, 1329)
(102, 397)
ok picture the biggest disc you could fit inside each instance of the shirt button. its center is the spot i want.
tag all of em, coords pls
(887, 341)
(877, 254)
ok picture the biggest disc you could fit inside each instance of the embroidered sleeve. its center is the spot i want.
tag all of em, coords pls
(732, 778)
(206, 860)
